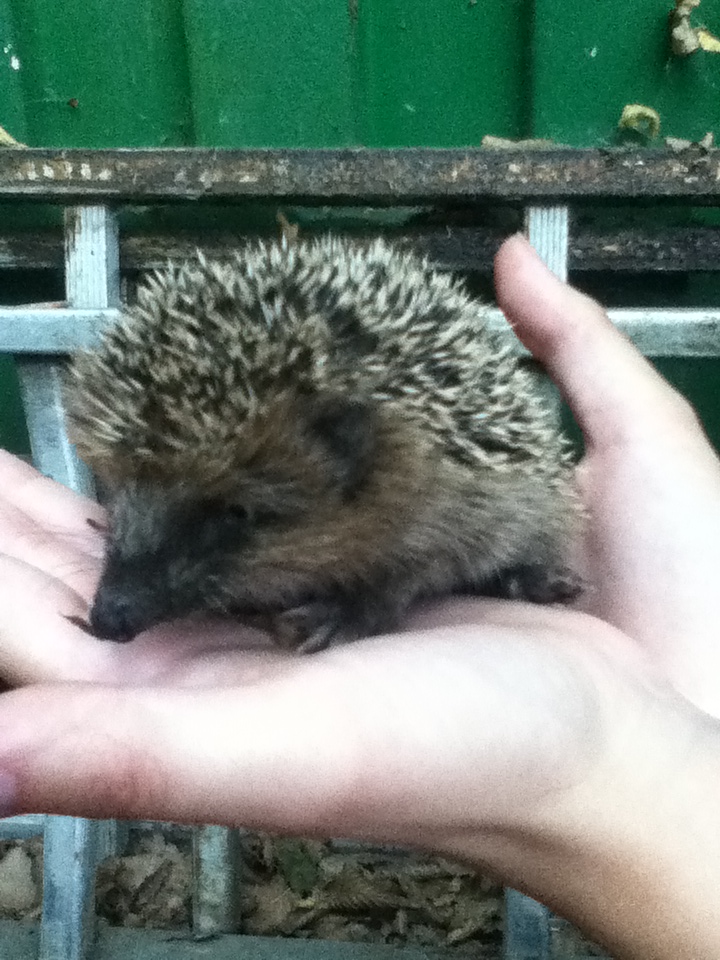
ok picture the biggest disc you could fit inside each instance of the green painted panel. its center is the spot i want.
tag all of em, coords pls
(12, 117)
(590, 63)
(12, 424)
(441, 73)
(338, 72)
(102, 73)
(271, 74)
(699, 381)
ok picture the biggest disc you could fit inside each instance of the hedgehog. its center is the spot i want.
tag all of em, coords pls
(319, 434)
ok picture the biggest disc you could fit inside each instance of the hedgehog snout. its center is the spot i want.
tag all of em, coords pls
(113, 618)
(131, 597)
(120, 616)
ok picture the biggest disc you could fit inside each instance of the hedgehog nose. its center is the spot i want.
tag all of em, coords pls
(116, 617)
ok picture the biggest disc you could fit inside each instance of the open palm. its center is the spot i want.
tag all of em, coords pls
(478, 712)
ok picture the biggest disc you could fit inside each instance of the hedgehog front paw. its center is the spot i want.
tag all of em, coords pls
(539, 584)
(320, 624)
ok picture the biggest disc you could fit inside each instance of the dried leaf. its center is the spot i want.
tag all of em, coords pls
(19, 893)
(274, 910)
(297, 863)
(150, 888)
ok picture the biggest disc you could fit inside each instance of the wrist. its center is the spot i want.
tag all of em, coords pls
(631, 852)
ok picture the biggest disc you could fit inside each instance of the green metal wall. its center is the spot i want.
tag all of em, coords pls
(244, 73)
(328, 73)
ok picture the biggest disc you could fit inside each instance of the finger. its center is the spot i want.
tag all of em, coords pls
(612, 390)
(72, 558)
(166, 752)
(334, 747)
(42, 640)
(48, 503)
(39, 637)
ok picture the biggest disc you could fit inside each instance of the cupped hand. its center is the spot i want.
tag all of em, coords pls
(161, 726)
(650, 480)
(479, 719)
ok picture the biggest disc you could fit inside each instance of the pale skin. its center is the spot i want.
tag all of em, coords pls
(574, 755)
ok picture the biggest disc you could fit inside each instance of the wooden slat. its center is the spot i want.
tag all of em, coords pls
(671, 250)
(359, 175)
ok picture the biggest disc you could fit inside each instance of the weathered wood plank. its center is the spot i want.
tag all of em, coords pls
(359, 175)
(671, 250)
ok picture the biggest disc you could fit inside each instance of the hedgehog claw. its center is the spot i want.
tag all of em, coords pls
(321, 624)
(539, 584)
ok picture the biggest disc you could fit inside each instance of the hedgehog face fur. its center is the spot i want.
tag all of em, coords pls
(324, 432)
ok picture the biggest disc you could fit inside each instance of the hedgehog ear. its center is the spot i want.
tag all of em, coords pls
(346, 429)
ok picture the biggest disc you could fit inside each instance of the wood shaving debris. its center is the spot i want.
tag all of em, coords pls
(685, 39)
(289, 232)
(708, 41)
(503, 143)
(641, 119)
(678, 145)
(7, 140)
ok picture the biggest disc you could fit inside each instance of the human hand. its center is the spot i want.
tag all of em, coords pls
(484, 730)
(649, 479)
(367, 720)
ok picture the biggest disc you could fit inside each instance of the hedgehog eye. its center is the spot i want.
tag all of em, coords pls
(219, 512)
(236, 512)
(266, 516)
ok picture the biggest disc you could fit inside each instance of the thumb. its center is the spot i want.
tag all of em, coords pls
(209, 756)
(332, 747)
(612, 390)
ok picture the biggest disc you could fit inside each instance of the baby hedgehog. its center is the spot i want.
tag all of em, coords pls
(322, 432)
